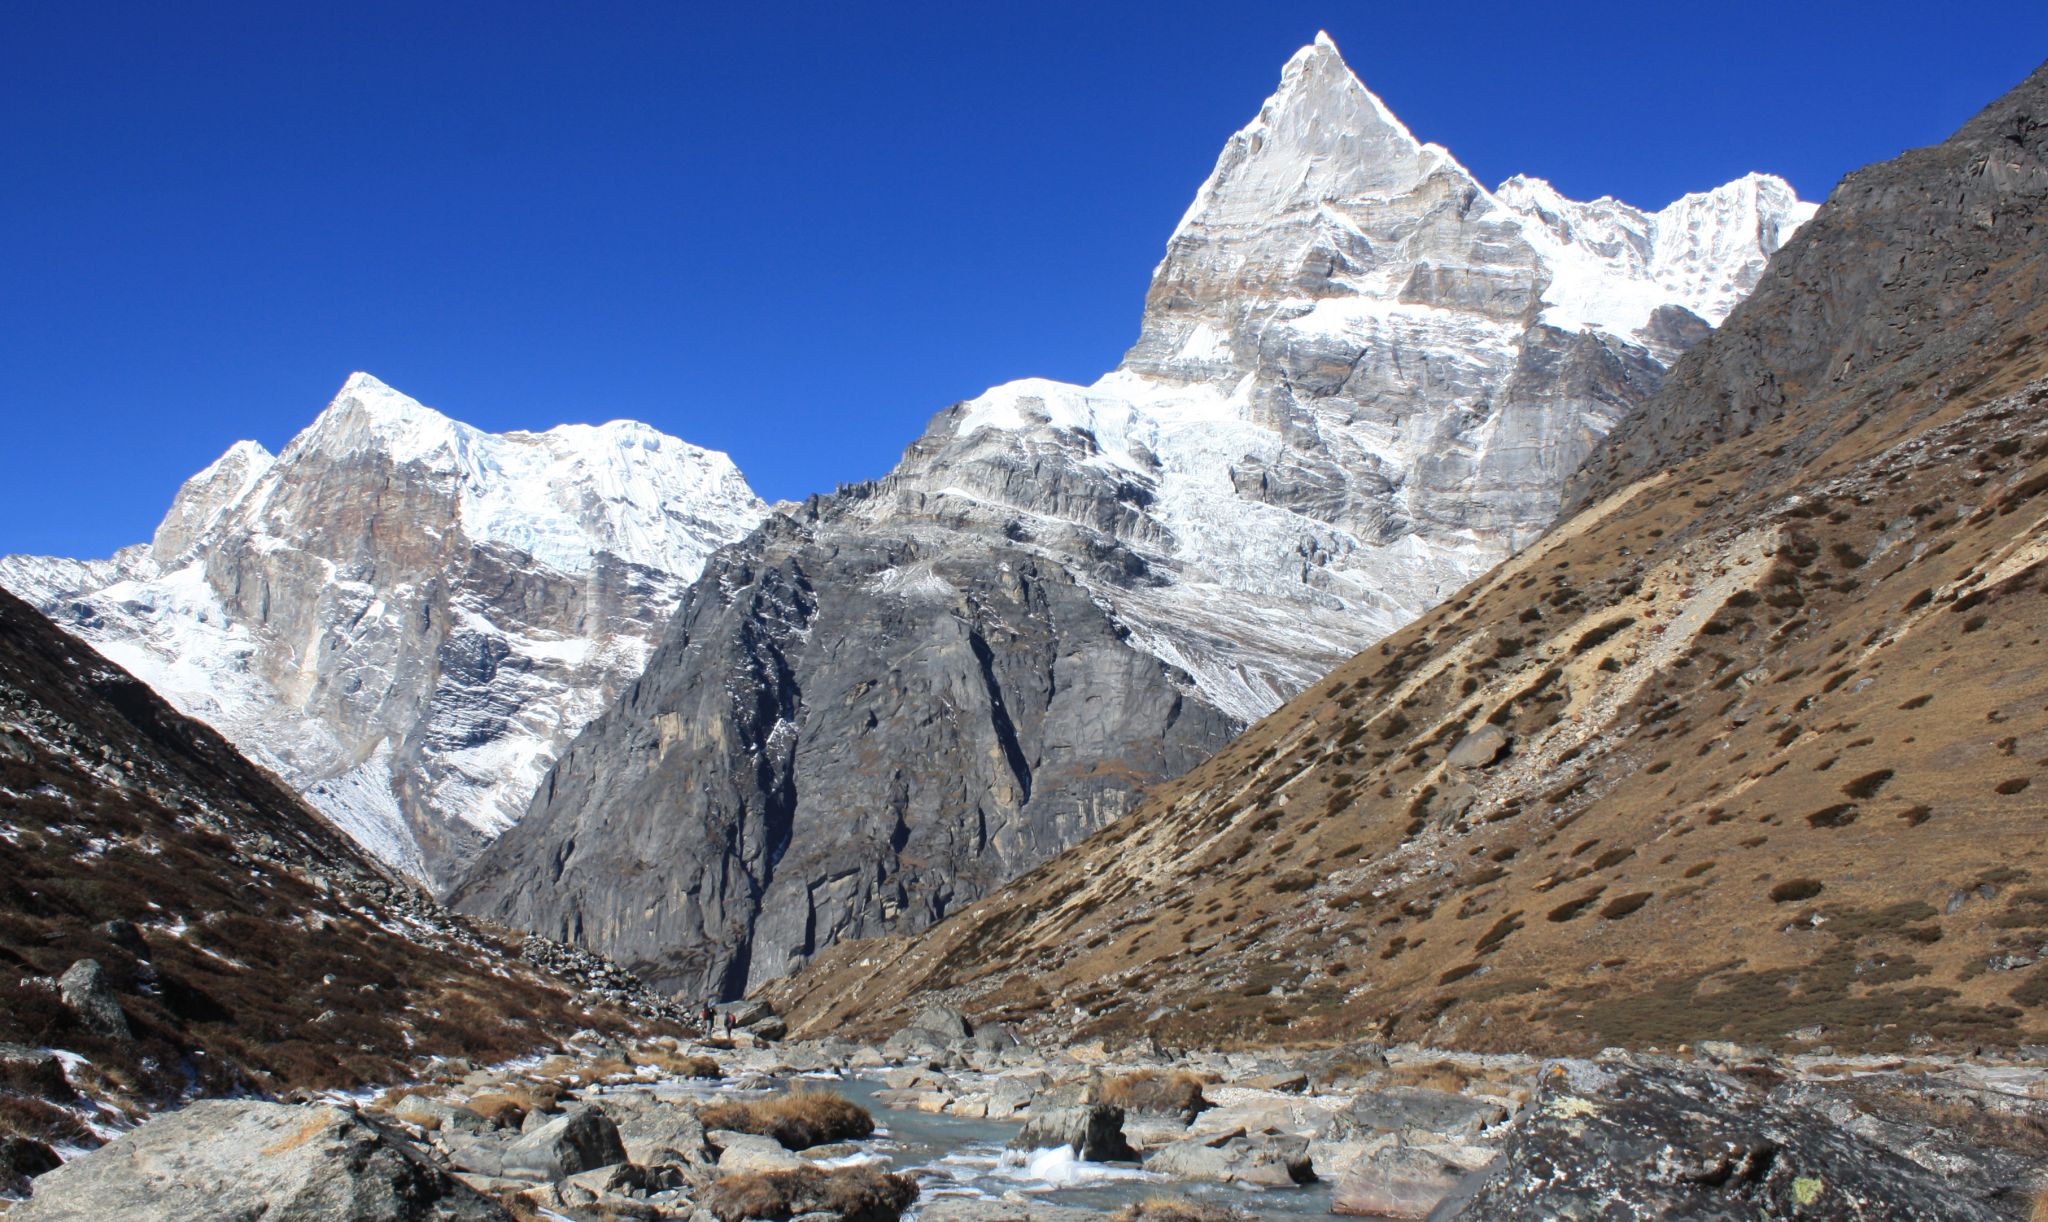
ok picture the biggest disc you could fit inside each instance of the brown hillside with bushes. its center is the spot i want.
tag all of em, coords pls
(1754, 745)
(247, 946)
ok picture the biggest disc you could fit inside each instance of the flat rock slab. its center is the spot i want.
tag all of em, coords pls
(1268, 1160)
(751, 1152)
(238, 1159)
(1415, 1107)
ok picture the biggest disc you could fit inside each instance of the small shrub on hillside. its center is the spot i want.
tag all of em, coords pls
(1793, 890)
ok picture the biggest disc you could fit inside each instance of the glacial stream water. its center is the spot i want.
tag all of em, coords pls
(957, 1156)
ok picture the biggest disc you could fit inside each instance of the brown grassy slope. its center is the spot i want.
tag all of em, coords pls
(1779, 716)
(267, 954)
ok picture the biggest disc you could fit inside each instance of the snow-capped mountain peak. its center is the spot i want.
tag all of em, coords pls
(1322, 135)
(402, 614)
(1353, 352)
(563, 496)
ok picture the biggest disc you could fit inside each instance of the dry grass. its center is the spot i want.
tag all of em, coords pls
(1437, 1075)
(1179, 1209)
(682, 1065)
(799, 1120)
(857, 1194)
(513, 1102)
(1149, 1091)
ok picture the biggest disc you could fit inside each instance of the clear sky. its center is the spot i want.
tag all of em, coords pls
(788, 231)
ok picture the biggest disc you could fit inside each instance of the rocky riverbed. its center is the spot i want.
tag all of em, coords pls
(951, 1124)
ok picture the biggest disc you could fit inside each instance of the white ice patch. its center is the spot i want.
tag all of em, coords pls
(915, 581)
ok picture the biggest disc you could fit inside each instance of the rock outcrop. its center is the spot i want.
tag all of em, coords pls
(247, 1159)
(401, 615)
(1658, 1142)
(1361, 378)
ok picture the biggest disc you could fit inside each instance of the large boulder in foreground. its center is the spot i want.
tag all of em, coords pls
(1655, 1141)
(239, 1159)
(1094, 1131)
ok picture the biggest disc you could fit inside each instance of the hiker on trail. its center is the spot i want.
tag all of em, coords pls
(728, 1024)
(706, 1016)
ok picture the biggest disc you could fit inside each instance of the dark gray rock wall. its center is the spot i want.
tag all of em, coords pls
(826, 748)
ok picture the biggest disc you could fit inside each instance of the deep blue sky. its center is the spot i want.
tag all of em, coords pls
(792, 232)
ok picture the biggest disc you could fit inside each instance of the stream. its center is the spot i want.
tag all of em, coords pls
(956, 1156)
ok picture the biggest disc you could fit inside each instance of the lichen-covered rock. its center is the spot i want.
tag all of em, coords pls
(245, 1160)
(1651, 1141)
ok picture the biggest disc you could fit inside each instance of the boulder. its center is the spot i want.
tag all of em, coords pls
(748, 1011)
(1269, 1160)
(943, 1022)
(1479, 749)
(1396, 1181)
(738, 1152)
(581, 1140)
(657, 1133)
(1094, 1131)
(913, 1079)
(1662, 1141)
(618, 1180)
(35, 1073)
(1414, 1107)
(1011, 1094)
(86, 990)
(235, 1159)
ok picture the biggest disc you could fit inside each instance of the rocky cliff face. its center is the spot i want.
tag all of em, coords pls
(1361, 378)
(1749, 748)
(403, 616)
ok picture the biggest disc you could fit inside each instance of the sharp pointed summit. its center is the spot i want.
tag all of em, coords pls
(1346, 399)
